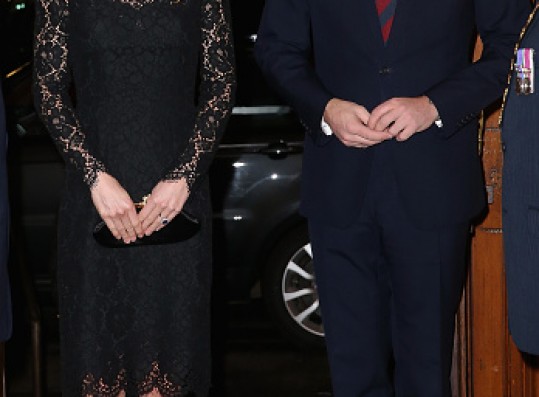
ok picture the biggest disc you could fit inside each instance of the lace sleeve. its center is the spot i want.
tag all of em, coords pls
(52, 80)
(216, 94)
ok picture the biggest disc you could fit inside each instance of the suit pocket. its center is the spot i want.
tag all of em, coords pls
(533, 220)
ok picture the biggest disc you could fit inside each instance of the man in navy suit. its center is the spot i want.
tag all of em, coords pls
(391, 175)
(5, 299)
(520, 131)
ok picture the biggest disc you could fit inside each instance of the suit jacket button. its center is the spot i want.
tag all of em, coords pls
(385, 71)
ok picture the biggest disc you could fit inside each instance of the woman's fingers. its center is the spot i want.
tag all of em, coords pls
(112, 227)
(158, 218)
(135, 223)
(120, 228)
(129, 228)
(154, 226)
(161, 219)
(149, 215)
(116, 208)
(164, 218)
(125, 227)
(164, 203)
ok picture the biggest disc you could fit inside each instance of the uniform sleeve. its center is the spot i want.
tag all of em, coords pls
(461, 97)
(52, 80)
(284, 51)
(216, 94)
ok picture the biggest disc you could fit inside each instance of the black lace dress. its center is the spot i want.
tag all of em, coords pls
(153, 82)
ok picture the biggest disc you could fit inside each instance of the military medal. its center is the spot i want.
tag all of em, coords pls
(525, 71)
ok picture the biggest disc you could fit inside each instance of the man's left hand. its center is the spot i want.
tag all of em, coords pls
(403, 117)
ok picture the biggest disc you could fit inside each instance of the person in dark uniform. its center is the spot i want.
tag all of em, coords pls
(391, 174)
(520, 133)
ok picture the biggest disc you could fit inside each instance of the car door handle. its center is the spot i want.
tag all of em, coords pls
(280, 150)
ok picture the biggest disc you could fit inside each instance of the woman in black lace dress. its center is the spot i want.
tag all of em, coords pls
(154, 82)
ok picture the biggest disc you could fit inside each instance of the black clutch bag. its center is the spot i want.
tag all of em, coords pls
(182, 227)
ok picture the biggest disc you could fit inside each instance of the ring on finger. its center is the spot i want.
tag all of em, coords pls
(163, 219)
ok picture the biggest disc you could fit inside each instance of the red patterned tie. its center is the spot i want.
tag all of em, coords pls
(386, 12)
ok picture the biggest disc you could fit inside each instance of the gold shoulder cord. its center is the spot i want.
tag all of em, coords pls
(511, 70)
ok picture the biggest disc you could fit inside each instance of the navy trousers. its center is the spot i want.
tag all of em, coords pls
(389, 293)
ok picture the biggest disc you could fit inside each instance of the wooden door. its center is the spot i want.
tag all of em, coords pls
(496, 367)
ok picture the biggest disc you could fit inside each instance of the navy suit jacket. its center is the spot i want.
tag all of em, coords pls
(520, 132)
(5, 298)
(314, 50)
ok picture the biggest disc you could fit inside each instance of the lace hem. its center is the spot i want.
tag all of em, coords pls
(138, 4)
(98, 388)
(154, 381)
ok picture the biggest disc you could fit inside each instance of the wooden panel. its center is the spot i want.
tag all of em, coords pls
(495, 367)
(516, 372)
(488, 318)
(487, 286)
(488, 361)
(498, 369)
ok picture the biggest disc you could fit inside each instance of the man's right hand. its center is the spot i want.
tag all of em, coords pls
(348, 121)
(116, 208)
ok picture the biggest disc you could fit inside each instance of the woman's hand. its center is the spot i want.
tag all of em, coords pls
(116, 208)
(165, 202)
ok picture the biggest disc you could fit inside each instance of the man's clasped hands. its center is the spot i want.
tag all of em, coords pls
(397, 118)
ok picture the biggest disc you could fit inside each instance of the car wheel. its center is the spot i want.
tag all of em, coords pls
(289, 290)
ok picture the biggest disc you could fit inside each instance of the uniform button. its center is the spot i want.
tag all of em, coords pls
(385, 71)
(503, 147)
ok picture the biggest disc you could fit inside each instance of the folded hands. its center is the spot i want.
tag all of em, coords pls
(397, 118)
(118, 210)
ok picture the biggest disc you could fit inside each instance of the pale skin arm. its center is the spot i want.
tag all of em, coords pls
(116, 208)
(118, 211)
(348, 122)
(166, 201)
(403, 117)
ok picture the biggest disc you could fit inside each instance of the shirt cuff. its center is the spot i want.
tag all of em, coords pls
(326, 129)
(438, 122)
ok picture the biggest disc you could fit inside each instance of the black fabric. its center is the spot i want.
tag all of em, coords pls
(388, 292)
(5, 295)
(182, 227)
(137, 319)
(520, 132)
(313, 51)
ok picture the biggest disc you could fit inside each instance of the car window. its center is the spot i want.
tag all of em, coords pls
(252, 89)
(259, 114)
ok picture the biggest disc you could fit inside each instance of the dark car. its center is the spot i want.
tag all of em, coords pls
(260, 240)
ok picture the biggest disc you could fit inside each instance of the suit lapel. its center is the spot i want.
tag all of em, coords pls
(371, 34)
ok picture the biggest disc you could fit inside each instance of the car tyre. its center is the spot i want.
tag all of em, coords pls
(289, 290)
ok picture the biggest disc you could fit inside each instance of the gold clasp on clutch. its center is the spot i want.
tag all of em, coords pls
(140, 205)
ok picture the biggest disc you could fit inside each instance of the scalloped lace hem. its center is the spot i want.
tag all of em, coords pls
(155, 384)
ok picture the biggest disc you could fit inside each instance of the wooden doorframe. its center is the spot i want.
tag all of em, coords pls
(488, 364)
